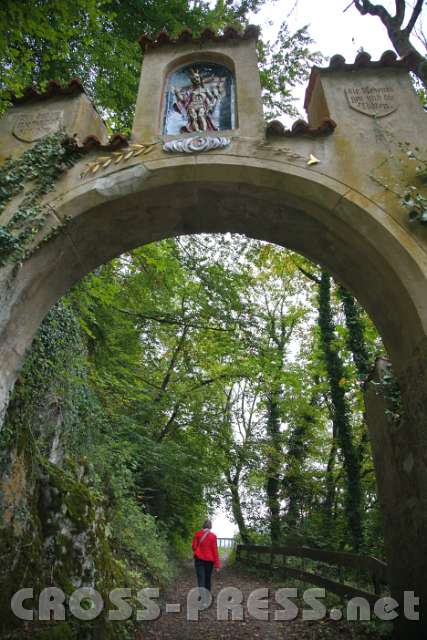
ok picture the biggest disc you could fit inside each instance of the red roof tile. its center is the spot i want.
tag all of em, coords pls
(300, 128)
(116, 141)
(362, 61)
(52, 90)
(186, 36)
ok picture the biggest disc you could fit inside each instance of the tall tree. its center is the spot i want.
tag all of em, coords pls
(353, 501)
(297, 455)
(239, 444)
(355, 333)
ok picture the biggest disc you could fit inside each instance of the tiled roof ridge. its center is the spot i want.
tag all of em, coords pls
(274, 128)
(363, 60)
(208, 34)
(116, 141)
(300, 128)
(52, 90)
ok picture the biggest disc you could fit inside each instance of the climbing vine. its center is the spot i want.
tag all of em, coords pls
(342, 422)
(388, 387)
(33, 174)
(355, 336)
(414, 200)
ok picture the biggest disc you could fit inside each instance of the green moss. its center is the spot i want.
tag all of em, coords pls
(62, 631)
(74, 496)
(70, 503)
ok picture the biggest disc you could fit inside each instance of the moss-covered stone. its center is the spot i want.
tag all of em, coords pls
(62, 542)
(56, 632)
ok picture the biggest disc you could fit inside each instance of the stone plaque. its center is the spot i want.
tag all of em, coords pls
(29, 127)
(372, 101)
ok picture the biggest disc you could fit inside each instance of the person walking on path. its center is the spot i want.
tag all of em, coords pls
(206, 556)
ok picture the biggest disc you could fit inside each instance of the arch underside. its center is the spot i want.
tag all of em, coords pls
(360, 248)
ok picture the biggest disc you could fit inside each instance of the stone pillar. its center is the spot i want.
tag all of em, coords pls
(400, 455)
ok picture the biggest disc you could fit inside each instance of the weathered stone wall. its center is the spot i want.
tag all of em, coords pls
(398, 437)
(53, 532)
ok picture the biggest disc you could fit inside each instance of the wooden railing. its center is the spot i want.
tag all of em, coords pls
(226, 543)
(366, 568)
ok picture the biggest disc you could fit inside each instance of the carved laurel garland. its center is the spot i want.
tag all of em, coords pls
(196, 144)
(116, 157)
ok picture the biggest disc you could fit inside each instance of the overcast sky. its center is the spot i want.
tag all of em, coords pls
(333, 31)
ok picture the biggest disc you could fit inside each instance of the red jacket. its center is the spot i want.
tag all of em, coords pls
(208, 549)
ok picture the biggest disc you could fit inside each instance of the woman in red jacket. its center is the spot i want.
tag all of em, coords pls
(205, 555)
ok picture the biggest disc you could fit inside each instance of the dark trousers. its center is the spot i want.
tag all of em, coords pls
(204, 572)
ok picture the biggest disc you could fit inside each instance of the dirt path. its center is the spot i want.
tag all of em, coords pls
(175, 626)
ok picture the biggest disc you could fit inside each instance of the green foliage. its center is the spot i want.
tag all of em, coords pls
(193, 370)
(284, 65)
(58, 632)
(342, 422)
(139, 539)
(356, 333)
(414, 200)
(389, 389)
(52, 395)
(33, 174)
(96, 41)
(55, 414)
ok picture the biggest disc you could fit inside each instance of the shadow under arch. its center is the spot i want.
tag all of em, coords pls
(310, 213)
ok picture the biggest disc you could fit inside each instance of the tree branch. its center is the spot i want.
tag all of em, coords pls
(366, 7)
(172, 363)
(166, 429)
(307, 274)
(171, 320)
(414, 17)
(400, 12)
(400, 38)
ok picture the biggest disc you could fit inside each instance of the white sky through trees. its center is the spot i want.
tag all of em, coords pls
(333, 31)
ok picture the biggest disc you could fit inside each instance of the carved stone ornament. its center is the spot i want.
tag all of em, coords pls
(378, 101)
(197, 144)
(29, 127)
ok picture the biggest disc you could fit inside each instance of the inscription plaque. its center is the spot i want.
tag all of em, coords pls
(29, 127)
(372, 101)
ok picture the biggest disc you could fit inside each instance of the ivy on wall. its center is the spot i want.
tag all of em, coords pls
(414, 199)
(33, 174)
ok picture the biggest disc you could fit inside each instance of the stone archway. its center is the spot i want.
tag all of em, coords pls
(334, 198)
(317, 216)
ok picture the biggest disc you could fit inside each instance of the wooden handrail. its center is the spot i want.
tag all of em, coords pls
(350, 560)
(377, 570)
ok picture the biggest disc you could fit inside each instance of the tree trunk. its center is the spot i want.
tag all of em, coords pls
(400, 37)
(361, 358)
(236, 508)
(356, 339)
(330, 488)
(293, 481)
(273, 468)
(341, 419)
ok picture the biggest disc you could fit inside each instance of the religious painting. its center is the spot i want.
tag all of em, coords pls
(199, 97)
